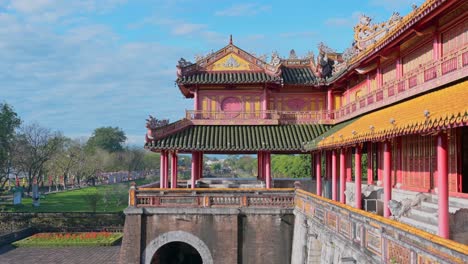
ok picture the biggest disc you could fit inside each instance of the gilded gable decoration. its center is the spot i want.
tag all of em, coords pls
(366, 33)
(231, 63)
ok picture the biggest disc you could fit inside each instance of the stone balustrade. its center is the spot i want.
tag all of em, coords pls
(199, 198)
(370, 237)
(365, 237)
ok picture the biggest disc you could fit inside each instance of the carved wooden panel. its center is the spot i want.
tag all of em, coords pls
(397, 253)
(455, 38)
(373, 242)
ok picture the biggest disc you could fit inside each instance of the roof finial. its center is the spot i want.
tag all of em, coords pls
(230, 39)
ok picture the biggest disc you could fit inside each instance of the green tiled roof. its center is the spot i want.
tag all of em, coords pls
(240, 138)
(313, 144)
(302, 75)
(226, 78)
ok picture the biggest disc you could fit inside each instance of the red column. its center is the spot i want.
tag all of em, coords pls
(259, 166)
(330, 103)
(194, 169)
(379, 163)
(174, 170)
(328, 174)
(399, 67)
(442, 179)
(370, 163)
(318, 173)
(387, 171)
(357, 176)
(166, 169)
(349, 162)
(195, 100)
(334, 175)
(200, 165)
(264, 102)
(312, 165)
(399, 162)
(379, 76)
(268, 170)
(436, 46)
(342, 175)
(161, 170)
(262, 165)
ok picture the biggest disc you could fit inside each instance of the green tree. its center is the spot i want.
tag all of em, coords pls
(9, 121)
(110, 139)
(34, 147)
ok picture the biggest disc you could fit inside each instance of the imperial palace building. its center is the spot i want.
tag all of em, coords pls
(392, 107)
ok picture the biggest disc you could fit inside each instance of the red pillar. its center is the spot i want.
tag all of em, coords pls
(399, 162)
(349, 162)
(334, 175)
(200, 165)
(379, 163)
(166, 169)
(330, 103)
(312, 165)
(387, 182)
(358, 176)
(318, 173)
(342, 175)
(260, 165)
(194, 170)
(161, 170)
(174, 170)
(264, 102)
(370, 163)
(268, 170)
(442, 179)
(195, 100)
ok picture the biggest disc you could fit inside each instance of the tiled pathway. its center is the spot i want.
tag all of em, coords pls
(69, 255)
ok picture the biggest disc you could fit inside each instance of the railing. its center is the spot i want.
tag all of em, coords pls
(225, 115)
(422, 79)
(386, 240)
(449, 68)
(258, 117)
(199, 198)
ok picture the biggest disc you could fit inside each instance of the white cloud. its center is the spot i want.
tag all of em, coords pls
(393, 5)
(301, 34)
(49, 11)
(344, 21)
(186, 28)
(248, 9)
(82, 77)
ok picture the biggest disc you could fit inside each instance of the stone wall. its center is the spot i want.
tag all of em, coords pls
(230, 235)
(61, 221)
(17, 235)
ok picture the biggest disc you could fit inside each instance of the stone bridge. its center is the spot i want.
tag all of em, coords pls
(269, 226)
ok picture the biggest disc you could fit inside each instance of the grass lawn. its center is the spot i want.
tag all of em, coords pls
(70, 239)
(107, 198)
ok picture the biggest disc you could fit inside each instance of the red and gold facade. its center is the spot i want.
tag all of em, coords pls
(400, 96)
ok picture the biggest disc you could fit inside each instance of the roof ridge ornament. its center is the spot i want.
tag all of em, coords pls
(367, 33)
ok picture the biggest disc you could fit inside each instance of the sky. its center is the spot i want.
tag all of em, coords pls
(76, 65)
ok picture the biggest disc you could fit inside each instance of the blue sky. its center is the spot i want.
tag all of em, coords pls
(75, 65)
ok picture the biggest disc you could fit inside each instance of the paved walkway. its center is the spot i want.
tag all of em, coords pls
(69, 255)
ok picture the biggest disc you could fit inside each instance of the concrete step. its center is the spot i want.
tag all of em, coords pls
(425, 215)
(431, 228)
(429, 204)
(453, 201)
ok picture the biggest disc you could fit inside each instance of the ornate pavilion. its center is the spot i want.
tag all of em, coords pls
(398, 95)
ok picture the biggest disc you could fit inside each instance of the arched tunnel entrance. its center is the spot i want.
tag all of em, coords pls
(177, 253)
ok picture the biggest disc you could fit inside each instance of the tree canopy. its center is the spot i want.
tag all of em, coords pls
(110, 139)
(9, 122)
